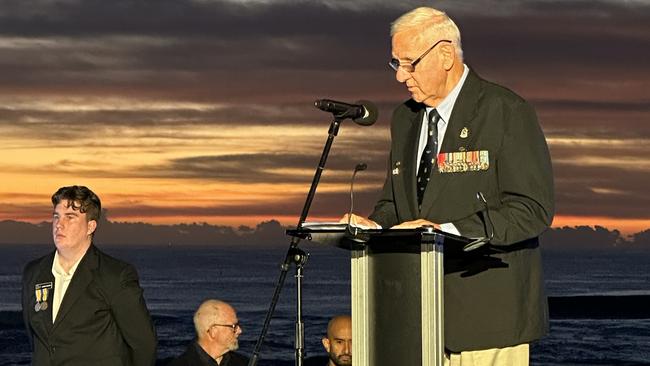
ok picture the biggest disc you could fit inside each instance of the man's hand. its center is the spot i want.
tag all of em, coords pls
(360, 222)
(416, 224)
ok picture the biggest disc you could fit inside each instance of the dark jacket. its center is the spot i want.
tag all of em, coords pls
(195, 356)
(494, 297)
(103, 319)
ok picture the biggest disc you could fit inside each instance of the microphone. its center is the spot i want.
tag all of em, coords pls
(358, 168)
(482, 241)
(363, 113)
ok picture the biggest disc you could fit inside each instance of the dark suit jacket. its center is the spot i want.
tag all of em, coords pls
(494, 297)
(102, 320)
(194, 355)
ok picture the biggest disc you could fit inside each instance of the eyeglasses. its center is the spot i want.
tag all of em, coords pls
(395, 64)
(231, 326)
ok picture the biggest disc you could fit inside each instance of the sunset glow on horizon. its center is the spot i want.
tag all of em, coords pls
(209, 117)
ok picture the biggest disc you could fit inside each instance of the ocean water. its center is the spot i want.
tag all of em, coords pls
(176, 279)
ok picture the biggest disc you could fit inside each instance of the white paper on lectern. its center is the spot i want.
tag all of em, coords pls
(334, 225)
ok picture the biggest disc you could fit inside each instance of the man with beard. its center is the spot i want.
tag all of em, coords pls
(338, 342)
(217, 331)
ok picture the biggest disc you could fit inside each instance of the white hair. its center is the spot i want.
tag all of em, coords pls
(433, 24)
(206, 315)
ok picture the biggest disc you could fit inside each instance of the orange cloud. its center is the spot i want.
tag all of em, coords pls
(625, 226)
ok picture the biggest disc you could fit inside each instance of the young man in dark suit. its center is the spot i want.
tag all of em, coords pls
(468, 157)
(82, 307)
(217, 333)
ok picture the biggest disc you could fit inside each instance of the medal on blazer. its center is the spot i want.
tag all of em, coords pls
(41, 291)
(463, 161)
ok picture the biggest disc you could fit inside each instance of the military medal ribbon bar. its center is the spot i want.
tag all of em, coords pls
(463, 161)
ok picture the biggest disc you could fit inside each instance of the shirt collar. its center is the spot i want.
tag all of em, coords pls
(58, 270)
(207, 359)
(447, 105)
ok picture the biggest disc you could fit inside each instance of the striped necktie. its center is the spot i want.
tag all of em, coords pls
(427, 161)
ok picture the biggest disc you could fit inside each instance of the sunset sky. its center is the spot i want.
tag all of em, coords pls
(201, 110)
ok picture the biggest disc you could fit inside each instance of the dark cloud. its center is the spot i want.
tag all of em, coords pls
(220, 49)
(252, 168)
(596, 107)
(33, 212)
(582, 64)
(585, 237)
(174, 18)
(607, 191)
(171, 114)
(267, 167)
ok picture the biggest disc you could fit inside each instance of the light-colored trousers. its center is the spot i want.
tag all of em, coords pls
(509, 356)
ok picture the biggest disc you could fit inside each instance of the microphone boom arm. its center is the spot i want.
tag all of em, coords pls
(292, 253)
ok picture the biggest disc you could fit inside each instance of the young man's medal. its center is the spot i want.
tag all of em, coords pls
(41, 291)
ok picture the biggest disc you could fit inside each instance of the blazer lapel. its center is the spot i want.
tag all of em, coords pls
(41, 320)
(408, 158)
(80, 280)
(465, 110)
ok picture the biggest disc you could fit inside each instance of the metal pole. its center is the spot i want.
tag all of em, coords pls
(300, 258)
(293, 246)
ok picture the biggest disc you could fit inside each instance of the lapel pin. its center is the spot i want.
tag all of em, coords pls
(464, 133)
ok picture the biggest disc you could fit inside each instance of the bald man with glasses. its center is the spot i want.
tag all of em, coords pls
(217, 332)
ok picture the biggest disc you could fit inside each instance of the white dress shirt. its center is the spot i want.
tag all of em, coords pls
(444, 109)
(61, 282)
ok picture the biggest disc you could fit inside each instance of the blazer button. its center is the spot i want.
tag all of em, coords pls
(53, 349)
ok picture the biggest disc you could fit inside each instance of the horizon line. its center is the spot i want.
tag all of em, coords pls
(235, 226)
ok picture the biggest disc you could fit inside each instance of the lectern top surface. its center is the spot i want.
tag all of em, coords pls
(353, 238)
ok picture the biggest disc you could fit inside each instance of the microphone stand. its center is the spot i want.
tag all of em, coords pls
(299, 258)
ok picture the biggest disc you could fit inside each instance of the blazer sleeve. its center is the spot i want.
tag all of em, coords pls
(385, 213)
(132, 317)
(523, 206)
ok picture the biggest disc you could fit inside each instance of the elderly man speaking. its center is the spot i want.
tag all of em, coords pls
(469, 157)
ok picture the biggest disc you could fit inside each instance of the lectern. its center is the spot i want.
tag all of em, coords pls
(397, 292)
